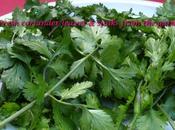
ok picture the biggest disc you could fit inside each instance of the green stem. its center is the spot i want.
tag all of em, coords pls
(52, 31)
(168, 117)
(18, 113)
(13, 37)
(68, 74)
(70, 104)
(50, 61)
(137, 107)
(45, 68)
(131, 125)
(106, 68)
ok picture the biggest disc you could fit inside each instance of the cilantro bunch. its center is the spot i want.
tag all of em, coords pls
(86, 78)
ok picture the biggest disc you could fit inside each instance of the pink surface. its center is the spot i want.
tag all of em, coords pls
(7, 6)
(158, 0)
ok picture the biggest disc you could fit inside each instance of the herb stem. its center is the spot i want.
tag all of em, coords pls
(13, 37)
(45, 68)
(52, 31)
(69, 104)
(68, 74)
(162, 94)
(18, 113)
(106, 68)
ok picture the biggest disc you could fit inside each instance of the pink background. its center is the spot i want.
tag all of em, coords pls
(7, 6)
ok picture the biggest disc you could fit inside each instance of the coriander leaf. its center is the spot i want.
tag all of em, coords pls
(35, 44)
(40, 10)
(7, 109)
(5, 61)
(30, 91)
(4, 44)
(43, 124)
(123, 88)
(122, 110)
(60, 67)
(88, 38)
(76, 90)
(37, 114)
(139, 67)
(167, 66)
(15, 78)
(151, 121)
(167, 10)
(94, 72)
(59, 119)
(155, 78)
(30, 3)
(19, 15)
(35, 90)
(123, 72)
(155, 49)
(106, 84)
(169, 106)
(80, 71)
(92, 100)
(20, 55)
(110, 52)
(96, 120)
(170, 33)
(118, 79)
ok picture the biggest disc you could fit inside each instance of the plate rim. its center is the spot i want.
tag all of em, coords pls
(78, 2)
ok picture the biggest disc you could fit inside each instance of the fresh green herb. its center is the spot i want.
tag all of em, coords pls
(87, 78)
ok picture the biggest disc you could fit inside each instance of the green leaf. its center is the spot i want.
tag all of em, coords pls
(139, 67)
(15, 78)
(122, 110)
(151, 121)
(19, 15)
(168, 66)
(88, 38)
(35, 44)
(170, 33)
(110, 53)
(20, 55)
(35, 90)
(80, 71)
(3, 44)
(7, 109)
(60, 121)
(154, 76)
(5, 61)
(60, 67)
(37, 114)
(76, 90)
(169, 106)
(119, 80)
(106, 84)
(43, 124)
(155, 49)
(30, 3)
(94, 72)
(96, 120)
(167, 10)
(92, 100)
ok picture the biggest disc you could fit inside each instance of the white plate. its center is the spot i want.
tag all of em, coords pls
(147, 7)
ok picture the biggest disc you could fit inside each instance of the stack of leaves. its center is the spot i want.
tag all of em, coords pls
(86, 78)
